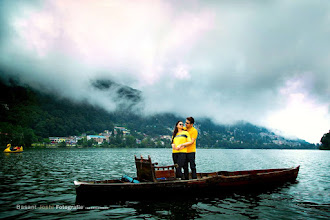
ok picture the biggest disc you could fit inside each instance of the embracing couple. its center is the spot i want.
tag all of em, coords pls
(184, 148)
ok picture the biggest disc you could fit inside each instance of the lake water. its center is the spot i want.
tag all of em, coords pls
(39, 184)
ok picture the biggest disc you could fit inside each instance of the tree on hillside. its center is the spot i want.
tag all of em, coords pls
(62, 144)
(130, 141)
(91, 142)
(325, 140)
(46, 141)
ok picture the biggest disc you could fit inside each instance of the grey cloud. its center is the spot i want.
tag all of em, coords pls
(244, 53)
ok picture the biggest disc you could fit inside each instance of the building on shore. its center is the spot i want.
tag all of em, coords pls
(122, 129)
(98, 138)
(72, 140)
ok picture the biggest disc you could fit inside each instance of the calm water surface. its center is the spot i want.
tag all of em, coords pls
(40, 182)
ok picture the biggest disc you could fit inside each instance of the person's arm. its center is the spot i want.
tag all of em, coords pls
(193, 139)
(181, 146)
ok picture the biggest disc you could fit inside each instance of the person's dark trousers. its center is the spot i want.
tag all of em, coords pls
(180, 159)
(190, 158)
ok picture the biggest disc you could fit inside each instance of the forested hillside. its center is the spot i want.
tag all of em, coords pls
(28, 116)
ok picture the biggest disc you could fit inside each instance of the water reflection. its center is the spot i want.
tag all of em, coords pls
(242, 204)
(45, 177)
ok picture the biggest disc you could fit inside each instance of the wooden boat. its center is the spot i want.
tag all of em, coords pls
(11, 149)
(160, 182)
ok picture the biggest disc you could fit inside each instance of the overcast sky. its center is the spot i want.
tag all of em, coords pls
(265, 62)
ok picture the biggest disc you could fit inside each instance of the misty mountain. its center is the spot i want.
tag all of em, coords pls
(28, 116)
(122, 92)
(125, 98)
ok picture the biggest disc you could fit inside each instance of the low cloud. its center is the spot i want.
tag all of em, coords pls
(227, 60)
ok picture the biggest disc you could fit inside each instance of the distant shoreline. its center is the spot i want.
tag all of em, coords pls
(101, 147)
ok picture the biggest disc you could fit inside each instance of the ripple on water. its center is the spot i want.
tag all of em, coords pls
(46, 177)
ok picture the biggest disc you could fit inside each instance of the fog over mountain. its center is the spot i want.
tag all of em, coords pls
(265, 62)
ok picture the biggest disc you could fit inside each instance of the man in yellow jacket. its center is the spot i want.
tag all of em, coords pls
(191, 149)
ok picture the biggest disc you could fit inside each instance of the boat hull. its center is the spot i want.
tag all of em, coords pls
(206, 184)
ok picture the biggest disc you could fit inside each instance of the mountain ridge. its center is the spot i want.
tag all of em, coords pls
(35, 116)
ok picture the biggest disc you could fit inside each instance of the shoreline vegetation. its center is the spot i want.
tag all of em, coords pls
(110, 146)
(36, 146)
(29, 118)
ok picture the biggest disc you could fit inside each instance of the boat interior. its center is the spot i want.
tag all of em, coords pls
(247, 172)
